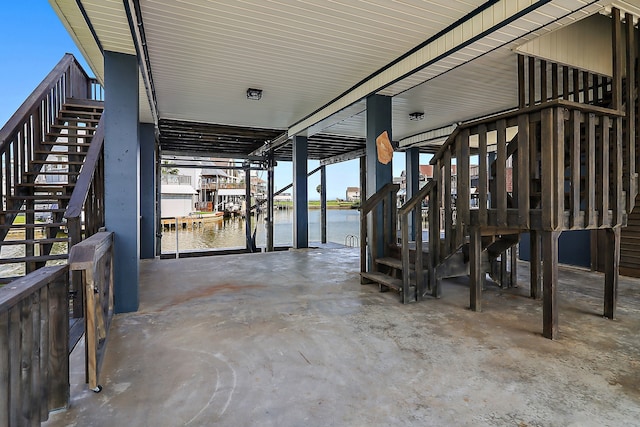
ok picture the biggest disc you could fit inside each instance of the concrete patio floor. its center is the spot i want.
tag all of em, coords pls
(293, 339)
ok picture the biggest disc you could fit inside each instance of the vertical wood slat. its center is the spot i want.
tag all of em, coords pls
(448, 212)
(543, 81)
(58, 345)
(550, 284)
(15, 366)
(548, 184)
(459, 232)
(558, 175)
(585, 87)
(5, 368)
(419, 290)
(513, 262)
(44, 353)
(35, 386)
(575, 165)
(523, 176)
(603, 202)
(565, 82)
(590, 171)
(532, 81)
(464, 190)
(434, 232)
(535, 275)
(616, 172)
(554, 81)
(501, 175)
(476, 274)
(576, 85)
(482, 174)
(616, 39)
(630, 122)
(521, 82)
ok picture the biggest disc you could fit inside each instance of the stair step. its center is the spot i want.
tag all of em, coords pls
(58, 172)
(33, 241)
(69, 135)
(47, 186)
(55, 162)
(58, 126)
(392, 262)
(36, 225)
(43, 198)
(383, 279)
(90, 115)
(41, 258)
(63, 153)
(42, 210)
(84, 103)
(65, 144)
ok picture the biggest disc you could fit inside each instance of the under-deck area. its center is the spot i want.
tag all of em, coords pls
(294, 339)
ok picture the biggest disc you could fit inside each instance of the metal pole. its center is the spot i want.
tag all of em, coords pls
(177, 241)
(323, 204)
(247, 214)
(270, 196)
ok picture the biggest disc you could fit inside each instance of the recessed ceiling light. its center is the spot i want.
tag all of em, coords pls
(254, 94)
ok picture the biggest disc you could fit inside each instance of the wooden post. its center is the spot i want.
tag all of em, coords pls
(616, 39)
(476, 273)
(363, 217)
(611, 273)
(435, 199)
(247, 212)
(323, 204)
(524, 176)
(482, 175)
(547, 175)
(575, 169)
(59, 344)
(448, 211)
(630, 122)
(501, 174)
(513, 278)
(535, 265)
(550, 284)
(558, 175)
(5, 385)
(521, 82)
(590, 172)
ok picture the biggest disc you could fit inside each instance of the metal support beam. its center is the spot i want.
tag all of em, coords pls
(343, 157)
(122, 175)
(270, 196)
(247, 209)
(412, 177)
(147, 198)
(323, 204)
(300, 191)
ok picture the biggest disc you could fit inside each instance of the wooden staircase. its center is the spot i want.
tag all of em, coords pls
(39, 182)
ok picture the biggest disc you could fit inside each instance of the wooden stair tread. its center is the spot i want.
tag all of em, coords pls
(67, 126)
(391, 262)
(36, 225)
(38, 258)
(56, 162)
(383, 279)
(55, 172)
(43, 210)
(42, 197)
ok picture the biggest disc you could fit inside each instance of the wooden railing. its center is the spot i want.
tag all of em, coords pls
(21, 137)
(385, 197)
(34, 347)
(413, 208)
(86, 206)
(553, 166)
(93, 259)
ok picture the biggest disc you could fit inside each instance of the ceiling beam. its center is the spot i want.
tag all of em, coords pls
(343, 157)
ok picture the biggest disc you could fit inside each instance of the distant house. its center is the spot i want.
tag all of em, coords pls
(353, 194)
(177, 199)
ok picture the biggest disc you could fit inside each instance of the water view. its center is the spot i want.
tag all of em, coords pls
(230, 233)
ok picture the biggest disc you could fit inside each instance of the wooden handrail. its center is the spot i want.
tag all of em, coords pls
(585, 108)
(15, 123)
(81, 190)
(373, 201)
(418, 197)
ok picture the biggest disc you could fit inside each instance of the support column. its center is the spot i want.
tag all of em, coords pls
(550, 284)
(378, 175)
(323, 204)
(270, 196)
(412, 176)
(147, 197)
(611, 271)
(122, 175)
(477, 275)
(247, 209)
(300, 196)
(535, 265)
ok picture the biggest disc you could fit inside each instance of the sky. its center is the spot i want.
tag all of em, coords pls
(33, 40)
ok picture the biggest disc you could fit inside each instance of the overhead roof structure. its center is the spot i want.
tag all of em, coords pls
(315, 63)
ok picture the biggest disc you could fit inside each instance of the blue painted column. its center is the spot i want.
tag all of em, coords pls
(147, 191)
(300, 197)
(412, 175)
(122, 174)
(378, 175)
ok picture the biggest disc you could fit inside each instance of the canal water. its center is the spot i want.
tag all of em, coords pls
(230, 233)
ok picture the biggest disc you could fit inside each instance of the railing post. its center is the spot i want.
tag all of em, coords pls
(75, 236)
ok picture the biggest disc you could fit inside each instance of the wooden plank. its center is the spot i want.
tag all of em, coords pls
(91, 335)
(482, 175)
(464, 184)
(476, 273)
(521, 82)
(44, 353)
(15, 366)
(611, 273)
(535, 265)
(554, 81)
(603, 202)
(547, 175)
(576, 86)
(58, 344)
(513, 273)
(35, 399)
(448, 211)
(590, 171)
(5, 366)
(524, 175)
(532, 81)
(501, 174)
(417, 221)
(585, 88)
(616, 40)
(404, 230)
(630, 122)
(565, 83)
(550, 284)
(543, 81)
(616, 172)
(434, 230)
(558, 161)
(575, 164)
